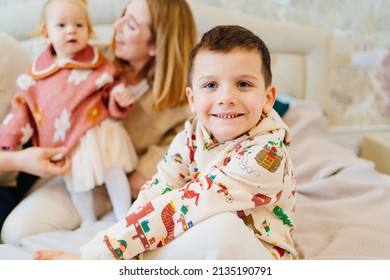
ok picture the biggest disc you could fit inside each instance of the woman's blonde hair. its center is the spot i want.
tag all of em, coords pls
(174, 34)
(42, 26)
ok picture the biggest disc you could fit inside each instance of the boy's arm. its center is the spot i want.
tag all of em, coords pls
(233, 187)
(172, 174)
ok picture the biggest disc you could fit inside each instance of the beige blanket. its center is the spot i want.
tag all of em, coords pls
(343, 204)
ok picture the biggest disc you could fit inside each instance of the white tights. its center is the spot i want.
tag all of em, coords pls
(118, 190)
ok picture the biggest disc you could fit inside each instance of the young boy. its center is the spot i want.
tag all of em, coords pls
(231, 157)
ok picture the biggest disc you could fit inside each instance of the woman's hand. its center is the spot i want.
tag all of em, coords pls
(39, 161)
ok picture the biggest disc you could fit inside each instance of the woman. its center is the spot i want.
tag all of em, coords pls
(152, 55)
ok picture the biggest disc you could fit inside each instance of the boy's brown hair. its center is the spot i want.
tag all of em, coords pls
(225, 38)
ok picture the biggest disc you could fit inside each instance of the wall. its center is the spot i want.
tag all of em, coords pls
(360, 85)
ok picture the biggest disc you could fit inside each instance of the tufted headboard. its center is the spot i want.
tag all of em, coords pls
(300, 54)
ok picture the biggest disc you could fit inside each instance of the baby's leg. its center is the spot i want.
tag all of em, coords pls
(119, 191)
(54, 255)
(83, 201)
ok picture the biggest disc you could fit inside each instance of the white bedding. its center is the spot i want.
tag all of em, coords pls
(343, 204)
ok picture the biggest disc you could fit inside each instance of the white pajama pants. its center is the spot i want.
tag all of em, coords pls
(48, 214)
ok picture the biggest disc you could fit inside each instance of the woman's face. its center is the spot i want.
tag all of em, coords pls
(132, 34)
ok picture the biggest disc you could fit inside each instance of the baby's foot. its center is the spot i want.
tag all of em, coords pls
(54, 255)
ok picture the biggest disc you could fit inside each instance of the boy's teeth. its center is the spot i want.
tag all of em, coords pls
(227, 116)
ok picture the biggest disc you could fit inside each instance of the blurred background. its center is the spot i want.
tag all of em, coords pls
(360, 81)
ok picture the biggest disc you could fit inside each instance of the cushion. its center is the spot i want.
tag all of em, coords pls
(14, 60)
(282, 103)
(281, 107)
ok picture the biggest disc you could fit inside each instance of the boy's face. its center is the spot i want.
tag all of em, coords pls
(228, 92)
(66, 28)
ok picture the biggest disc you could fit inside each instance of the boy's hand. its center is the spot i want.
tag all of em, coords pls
(122, 96)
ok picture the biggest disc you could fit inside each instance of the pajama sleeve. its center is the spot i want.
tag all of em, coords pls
(170, 209)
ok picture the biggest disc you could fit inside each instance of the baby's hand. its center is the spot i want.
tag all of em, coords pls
(123, 96)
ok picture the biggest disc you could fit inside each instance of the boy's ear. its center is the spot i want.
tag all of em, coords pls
(270, 97)
(191, 99)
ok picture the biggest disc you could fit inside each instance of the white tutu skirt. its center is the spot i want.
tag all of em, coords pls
(103, 147)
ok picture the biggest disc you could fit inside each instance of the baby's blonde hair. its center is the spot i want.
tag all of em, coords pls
(42, 26)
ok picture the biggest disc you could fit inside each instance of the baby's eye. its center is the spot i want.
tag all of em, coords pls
(80, 25)
(210, 85)
(60, 24)
(243, 84)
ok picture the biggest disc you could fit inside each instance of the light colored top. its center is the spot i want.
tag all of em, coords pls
(152, 131)
(199, 177)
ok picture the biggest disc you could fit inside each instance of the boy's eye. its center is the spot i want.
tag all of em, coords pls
(210, 85)
(243, 84)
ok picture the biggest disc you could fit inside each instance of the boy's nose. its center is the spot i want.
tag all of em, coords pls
(227, 97)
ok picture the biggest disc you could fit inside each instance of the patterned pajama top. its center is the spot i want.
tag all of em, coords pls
(251, 176)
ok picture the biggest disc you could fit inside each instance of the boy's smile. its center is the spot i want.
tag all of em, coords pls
(227, 115)
(228, 92)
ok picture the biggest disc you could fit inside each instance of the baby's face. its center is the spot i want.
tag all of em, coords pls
(228, 92)
(66, 28)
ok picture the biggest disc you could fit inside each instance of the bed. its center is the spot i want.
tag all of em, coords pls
(343, 203)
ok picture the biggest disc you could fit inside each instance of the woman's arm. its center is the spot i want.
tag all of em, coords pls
(34, 160)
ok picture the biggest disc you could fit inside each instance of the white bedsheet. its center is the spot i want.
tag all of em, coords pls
(343, 204)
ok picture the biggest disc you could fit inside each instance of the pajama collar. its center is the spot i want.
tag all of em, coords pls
(266, 124)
